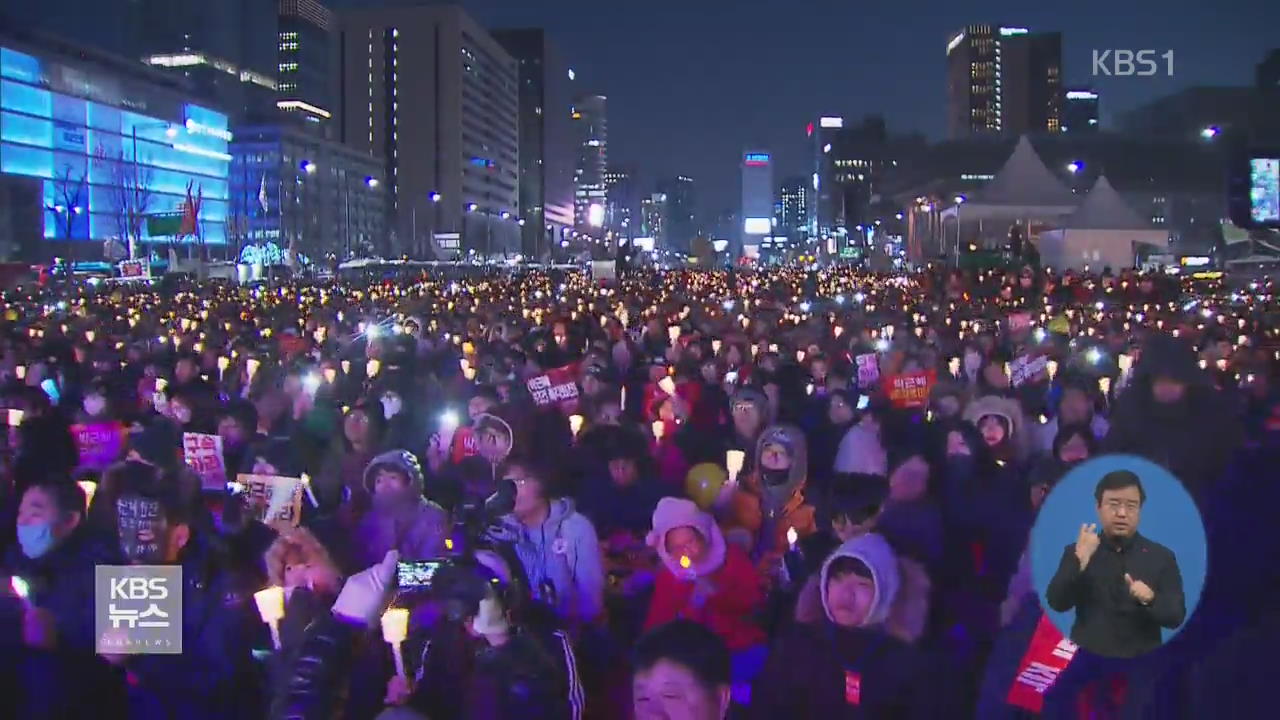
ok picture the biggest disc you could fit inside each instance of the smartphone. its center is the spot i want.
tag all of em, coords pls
(731, 377)
(417, 574)
(864, 402)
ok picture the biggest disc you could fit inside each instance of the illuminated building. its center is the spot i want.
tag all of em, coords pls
(1003, 80)
(792, 208)
(90, 141)
(547, 148)
(823, 201)
(431, 92)
(679, 226)
(308, 63)
(1080, 111)
(590, 120)
(757, 199)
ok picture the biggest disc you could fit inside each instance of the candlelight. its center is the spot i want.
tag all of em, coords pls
(954, 366)
(733, 460)
(89, 487)
(673, 332)
(372, 368)
(346, 367)
(659, 429)
(89, 335)
(330, 375)
(685, 562)
(575, 424)
(1052, 367)
(395, 625)
(270, 602)
(792, 537)
(668, 385)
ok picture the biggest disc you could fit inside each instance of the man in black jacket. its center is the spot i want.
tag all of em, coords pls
(1123, 586)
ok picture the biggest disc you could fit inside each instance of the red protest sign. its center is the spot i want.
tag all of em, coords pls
(1047, 656)
(100, 444)
(556, 387)
(910, 390)
(204, 454)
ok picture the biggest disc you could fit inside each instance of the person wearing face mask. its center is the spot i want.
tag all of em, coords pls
(56, 554)
(846, 664)
(770, 501)
(209, 678)
(401, 518)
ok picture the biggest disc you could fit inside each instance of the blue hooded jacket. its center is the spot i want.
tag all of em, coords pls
(561, 558)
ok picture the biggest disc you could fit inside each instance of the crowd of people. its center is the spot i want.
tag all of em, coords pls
(687, 494)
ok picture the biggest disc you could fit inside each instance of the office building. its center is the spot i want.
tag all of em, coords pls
(1003, 80)
(757, 200)
(678, 217)
(591, 125)
(432, 93)
(620, 200)
(653, 210)
(308, 64)
(859, 155)
(96, 147)
(547, 150)
(823, 202)
(317, 197)
(792, 208)
(1080, 111)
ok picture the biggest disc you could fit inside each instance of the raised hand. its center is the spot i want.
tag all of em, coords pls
(1139, 590)
(1087, 543)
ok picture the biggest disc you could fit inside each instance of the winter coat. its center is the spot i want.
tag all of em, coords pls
(908, 614)
(822, 670)
(725, 594)
(860, 452)
(412, 525)
(1019, 441)
(316, 683)
(1047, 432)
(561, 559)
(612, 508)
(765, 514)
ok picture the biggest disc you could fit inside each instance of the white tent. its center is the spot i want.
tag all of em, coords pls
(1024, 189)
(1103, 232)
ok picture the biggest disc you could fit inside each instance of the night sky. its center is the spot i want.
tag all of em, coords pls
(691, 83)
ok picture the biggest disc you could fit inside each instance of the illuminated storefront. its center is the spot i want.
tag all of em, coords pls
(111, 152)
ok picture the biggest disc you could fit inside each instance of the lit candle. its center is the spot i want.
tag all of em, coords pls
(395, 628)
(89, 335)
(733, 460)
(372, 367)
(306, 486)
(270, 604)
(792, 538)
(21, 372)
(659, 429)
(799, 356)
(346, 367)
(715, 346)
(1052, 367)
(575, 424)
(1104, 384)
(330, 375)
(668, 385)
(252, 367)
(89, 487)
(21, 588)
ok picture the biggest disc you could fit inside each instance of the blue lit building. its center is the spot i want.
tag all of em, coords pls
(103, 149)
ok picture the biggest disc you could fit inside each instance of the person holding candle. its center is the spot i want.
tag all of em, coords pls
(705, 579)
(1075, 406)
(770, 501)
(401, 518)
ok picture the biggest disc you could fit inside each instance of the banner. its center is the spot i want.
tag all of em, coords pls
(1047, 656)
(134, 269)
(1025, 368)
(273, 499)
(555, 387)
(100, 444)
(204, 454)
(868, 369)
(910, 390)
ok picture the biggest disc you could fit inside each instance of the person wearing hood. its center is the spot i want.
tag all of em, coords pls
(401, 518)
(624, 500)
(1172, 416)
(706, 580)
(556, 545)
(1002, 425)
(771, 502)
(56, 555)
(845, 664)
(297, 562)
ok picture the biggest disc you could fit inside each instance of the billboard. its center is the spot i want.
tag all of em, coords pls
(757, 226)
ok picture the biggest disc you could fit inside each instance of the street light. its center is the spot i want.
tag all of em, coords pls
(308, 167)
(1075, 166)
(504, 215)
(1210, 132)
(472, 207)
(435, 197)
(371, 181)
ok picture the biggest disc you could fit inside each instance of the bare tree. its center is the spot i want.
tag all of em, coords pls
(131, 194)
(68, 202)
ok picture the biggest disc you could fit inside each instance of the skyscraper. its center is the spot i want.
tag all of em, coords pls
(448, 129)
(653, 219)
(619, 188)
(679, 225)
(793, 207)
(308, 64)
(1003, 80)
(824, 201)
(1080, 111)
(592, 125)
(757, 199)
(547, 149)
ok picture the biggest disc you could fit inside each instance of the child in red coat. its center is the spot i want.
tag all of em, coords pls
(705, 580)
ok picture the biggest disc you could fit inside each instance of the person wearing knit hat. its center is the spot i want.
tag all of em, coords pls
(706, 580)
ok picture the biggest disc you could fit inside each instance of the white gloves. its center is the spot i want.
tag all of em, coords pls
(365, 596)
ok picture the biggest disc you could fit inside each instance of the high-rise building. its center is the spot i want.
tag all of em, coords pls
(824, 201)
(1003, 80)
(679, 225)
(859, 155)
(757, 199)
(448, 128)
(308, 64)
(619, 188)
(592, 124)
(547, 150)
(793, 207)
(95, 147)
(653, 210)
(1080, 111)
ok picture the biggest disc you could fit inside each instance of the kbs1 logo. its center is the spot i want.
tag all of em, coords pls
(1132, 63)
(138, 609)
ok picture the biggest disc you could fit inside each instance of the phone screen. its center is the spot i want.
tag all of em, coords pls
(416, 574)
(863, 402)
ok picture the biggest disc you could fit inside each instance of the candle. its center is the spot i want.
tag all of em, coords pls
(954, 366)
(1125, 362)
(15, 417)
(715, 346)
(89, 335)
(89, 487)
(270, 602)
(659, 429)
(252, 367)
(792, 538)
(673, 332)
(372, 367)
(799, 356)
(21, 588)
(395, 628)
(161, 384)
(575, 424)
(622, 402)
(346, 367)
(1052, 367)
(1104, 384)
(733, 460)
(330, 375)
(306, 486)
(21, 372)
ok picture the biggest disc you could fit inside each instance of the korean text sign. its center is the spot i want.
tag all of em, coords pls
(555, 387)
(204, 454)
(273, 499)
(100, 444)
(909, 390)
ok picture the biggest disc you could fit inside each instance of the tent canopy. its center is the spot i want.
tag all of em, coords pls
(1023, 188)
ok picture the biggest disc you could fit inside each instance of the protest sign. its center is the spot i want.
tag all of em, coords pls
(1025, 368)
(100, 444)
(910, 390)
(868, 369)
(555, 387)
(273, 499)
(204, 454)
(1047, 656)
